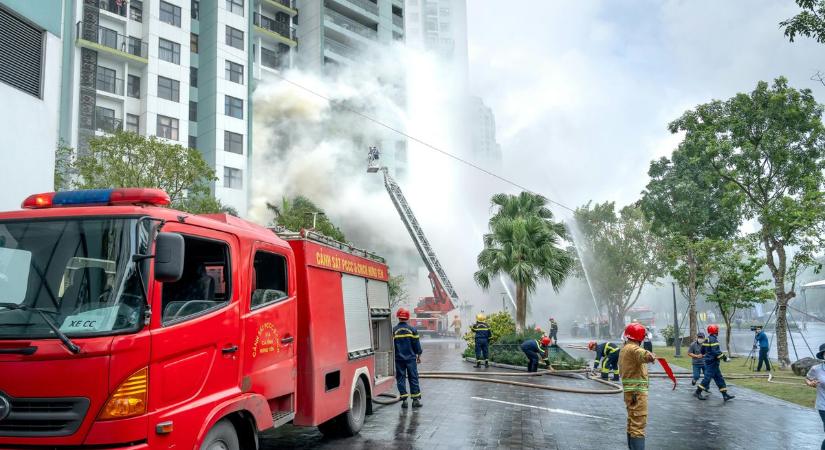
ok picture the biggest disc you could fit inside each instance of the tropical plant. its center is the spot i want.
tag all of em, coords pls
(501, 324)
(300, 213)
(523, 243)
(809, 23)
(398, 291)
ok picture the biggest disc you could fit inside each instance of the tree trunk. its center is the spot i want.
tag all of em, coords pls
(617, 319)
(782, 333)
(727, 333)
(521, 307)
(692, 293)
(778, 269)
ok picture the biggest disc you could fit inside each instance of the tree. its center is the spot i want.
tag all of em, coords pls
(768, 145)
(621, 253)
(524, 244)
(301, 213)
(398, 291)
(63, 164)
(809, 23)
(734, 282)
(127, 159)
(688, 222)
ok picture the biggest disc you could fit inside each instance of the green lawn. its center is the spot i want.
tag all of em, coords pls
(799, 394)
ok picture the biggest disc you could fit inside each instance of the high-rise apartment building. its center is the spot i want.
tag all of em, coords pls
(182, 70)
(440, 26)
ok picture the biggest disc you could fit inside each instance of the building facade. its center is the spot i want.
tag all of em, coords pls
(31, 45)
(181, 70)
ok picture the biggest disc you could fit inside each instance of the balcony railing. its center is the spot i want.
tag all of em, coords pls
(111, 39)
(271, 59)
(365, 4)
(287, 3)
(110, 85)
(113, 6)
(351, 25)
(108, 124)
(398, 21)
(341, 49)
(267, 23)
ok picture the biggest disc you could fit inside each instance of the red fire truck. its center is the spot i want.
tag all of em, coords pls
(124, 324)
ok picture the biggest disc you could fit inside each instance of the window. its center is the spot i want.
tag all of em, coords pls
(167, 127)
(105, 120)
(170, 13)
(133, 86)
(133, 123)
(136, 47)
(196, 6)
(193, 42)
(193, 142)
(106, 80)
(136, 10)
(193, 77)
(234, 37)
(169, 51)
(233, 142)
(205, 284)
(233, 107)
(234, 72)
(235, 6)
(22, 67)
(168, 89)
(270, 279)
(107, 37)
(232, 178)
(193, 111)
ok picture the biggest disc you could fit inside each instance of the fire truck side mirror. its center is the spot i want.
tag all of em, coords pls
(169, 251)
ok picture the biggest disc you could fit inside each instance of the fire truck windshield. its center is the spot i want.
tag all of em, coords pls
(78, 271)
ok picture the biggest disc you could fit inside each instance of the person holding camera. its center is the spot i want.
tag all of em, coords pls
(695, 353)
(761, 339)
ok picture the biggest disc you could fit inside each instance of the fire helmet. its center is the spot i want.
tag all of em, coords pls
(635, 332)
(403, 314)
(591, 345)
(552, 319)
(545, 341)
(713, 329)
(480, 317)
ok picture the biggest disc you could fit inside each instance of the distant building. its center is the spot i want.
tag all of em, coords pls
(440, 26)
(31, 45)
(483, 131)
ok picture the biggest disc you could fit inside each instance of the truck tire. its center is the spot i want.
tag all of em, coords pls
(349, 423)
(221, 437)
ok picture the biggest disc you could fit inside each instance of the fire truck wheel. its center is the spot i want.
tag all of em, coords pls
(221, 437)
(349, 423)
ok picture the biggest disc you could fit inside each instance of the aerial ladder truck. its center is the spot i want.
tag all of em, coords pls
(431, 313)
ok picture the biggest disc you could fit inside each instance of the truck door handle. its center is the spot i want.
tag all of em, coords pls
(287, 340)
(228, 350)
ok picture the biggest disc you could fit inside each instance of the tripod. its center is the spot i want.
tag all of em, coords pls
(750, 360)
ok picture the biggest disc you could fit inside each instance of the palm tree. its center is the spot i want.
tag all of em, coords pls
(524, 244)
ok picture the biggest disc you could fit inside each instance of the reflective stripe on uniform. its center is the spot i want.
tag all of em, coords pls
(635, 384)
(705, 344)
(407, 335)
(418, 395)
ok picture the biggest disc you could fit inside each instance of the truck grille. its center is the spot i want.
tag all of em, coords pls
(36, 417)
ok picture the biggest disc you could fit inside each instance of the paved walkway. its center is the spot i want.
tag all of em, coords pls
(465, 414)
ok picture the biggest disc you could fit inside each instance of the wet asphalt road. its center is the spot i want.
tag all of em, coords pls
(466, 414)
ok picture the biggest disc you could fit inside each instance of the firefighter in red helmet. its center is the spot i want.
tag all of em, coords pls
(713, 354)
(407, 358)
(633, 361)
(535, 349)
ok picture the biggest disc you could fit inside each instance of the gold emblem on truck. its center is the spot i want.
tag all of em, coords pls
(267, 340)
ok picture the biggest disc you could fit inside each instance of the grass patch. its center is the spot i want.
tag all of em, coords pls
(801, 394)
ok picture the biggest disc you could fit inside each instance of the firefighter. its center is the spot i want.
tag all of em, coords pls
(713, 354)
(607, 359)
(483, 334)
(456, 325)
(407, 356)
(535, 349)
(554, 330)
(633, 369)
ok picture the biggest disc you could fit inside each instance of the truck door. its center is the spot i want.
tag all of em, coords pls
(195, 348)
(269, 323)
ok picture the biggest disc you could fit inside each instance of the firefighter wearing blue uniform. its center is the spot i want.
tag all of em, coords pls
(535, 350)
(712, 354)
(607, 359)
(483, 334)
(407, 356)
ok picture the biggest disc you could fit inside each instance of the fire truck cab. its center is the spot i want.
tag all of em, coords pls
(125, 324)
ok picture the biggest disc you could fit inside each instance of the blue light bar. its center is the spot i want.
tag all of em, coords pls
(84, 197)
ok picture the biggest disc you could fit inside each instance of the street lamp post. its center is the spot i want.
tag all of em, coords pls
(676, 341)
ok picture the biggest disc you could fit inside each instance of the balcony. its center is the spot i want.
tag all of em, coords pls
(110, 85)
(349, 24)
(286, 6)
(366, 5)
(113, 6)
(273, 60)
(108, 124)
(398, 21)
(341, 49)
(280, 31)
(107, 40)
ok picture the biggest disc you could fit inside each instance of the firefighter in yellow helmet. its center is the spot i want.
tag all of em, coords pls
(483, 334)
(633, 361)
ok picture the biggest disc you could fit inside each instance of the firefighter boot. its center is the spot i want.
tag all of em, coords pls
(698, 394)
(486, 363)
(478, 363)
(417, 403)
(615, 377)
(727, 396)
(637, 443)
(604, 376)
(404, 403)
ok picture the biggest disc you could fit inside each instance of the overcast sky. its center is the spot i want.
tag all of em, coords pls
(583, 90)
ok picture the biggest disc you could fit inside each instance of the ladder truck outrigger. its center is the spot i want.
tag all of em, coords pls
(431, 313)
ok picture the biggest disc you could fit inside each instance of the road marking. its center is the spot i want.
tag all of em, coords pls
(552, 410)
